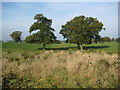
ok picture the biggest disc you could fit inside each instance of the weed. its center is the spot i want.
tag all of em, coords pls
(17, 59)
(11, 59)
(13, 81)
(104, 62)
(26, 57)
(32, 57)
(9, 52)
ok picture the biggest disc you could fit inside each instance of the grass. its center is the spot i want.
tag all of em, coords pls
(60, 66)
(12, 46)
(60, 70)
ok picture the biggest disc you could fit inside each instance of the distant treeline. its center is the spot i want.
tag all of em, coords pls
(56, 42)
(103, 39)
(108, 39)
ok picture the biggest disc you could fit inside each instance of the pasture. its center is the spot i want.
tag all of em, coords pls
(13, 46)
(60, 65)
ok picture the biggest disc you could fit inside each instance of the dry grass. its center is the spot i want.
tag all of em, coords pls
(70, 70)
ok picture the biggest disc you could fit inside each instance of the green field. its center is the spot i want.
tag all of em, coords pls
(12, 46)
(59, 66)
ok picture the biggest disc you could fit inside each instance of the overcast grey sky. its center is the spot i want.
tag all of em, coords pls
(19, 15)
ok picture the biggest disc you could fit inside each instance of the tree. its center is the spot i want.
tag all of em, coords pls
(82, 30)
(118, 39)
(35, 39)
(16, 36)
(45, 34)
(57, 42)
(113, 39)
(30, 39)
(106, 39)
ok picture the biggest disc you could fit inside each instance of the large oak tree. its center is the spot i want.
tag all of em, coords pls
(82, 30)
(45, 34)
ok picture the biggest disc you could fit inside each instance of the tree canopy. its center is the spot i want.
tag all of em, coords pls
(106, 39)
(82, 30)
(45, 34)
(16, 36)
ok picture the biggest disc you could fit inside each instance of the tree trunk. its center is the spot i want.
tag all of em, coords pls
(43, 46)
(78, 45)
(81, 46)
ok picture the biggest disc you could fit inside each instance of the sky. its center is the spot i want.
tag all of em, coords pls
(18, 16)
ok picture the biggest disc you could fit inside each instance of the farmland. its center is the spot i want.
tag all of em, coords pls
(60, 65)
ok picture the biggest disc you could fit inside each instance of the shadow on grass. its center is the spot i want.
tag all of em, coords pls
(95, 47)
(67, 48)
(60, 48)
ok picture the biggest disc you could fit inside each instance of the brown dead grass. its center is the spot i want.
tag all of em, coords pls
(69, 70)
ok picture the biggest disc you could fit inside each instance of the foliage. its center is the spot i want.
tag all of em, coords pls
(82, 30)
(117, 39)
(106, 39)
(31, 38)
(13, 81)
(45, 34)
(16, 36)
(57, 42)
(113, 39)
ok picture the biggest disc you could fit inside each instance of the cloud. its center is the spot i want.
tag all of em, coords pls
(19, 16)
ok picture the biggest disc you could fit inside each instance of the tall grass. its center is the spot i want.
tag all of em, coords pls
(61, 69)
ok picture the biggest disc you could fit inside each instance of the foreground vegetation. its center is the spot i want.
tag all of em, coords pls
(28, 66)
